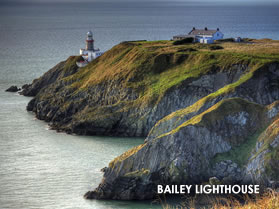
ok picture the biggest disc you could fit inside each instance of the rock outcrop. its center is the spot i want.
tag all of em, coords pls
(205, 113)
(57, 73)
(13, 89)
(216, 142)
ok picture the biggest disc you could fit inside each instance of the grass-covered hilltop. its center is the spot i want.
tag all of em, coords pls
(205, 110)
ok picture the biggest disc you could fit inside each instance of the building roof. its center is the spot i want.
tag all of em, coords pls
(205, 32)
(184, 36)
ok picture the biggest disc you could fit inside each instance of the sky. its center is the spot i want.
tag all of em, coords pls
(15, 3)
(207, 1)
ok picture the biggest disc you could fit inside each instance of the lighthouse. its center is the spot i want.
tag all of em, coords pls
(89, 53)
(89, 41)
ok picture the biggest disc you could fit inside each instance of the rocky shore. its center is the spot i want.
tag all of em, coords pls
(204, 112)
(13, 89)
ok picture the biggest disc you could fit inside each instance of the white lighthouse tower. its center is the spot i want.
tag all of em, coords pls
(89, 53)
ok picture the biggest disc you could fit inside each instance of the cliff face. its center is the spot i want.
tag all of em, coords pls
(204, 112)
(217, 142)
(102, 98)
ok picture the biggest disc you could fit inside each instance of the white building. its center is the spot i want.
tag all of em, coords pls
(89, 53)
(202, 35)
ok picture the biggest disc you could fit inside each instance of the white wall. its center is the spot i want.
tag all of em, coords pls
(81, 51)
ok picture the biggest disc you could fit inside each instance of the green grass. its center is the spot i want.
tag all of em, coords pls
(71, 62)
(239, 154)
(121, 55)
(218, 112)
(271, 159)
(138, 173)
(272, 162)
(180, 114)
(151, 68)
(125, 155)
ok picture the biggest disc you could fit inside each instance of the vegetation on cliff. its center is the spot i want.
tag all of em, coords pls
(207, 110)
(138, 75)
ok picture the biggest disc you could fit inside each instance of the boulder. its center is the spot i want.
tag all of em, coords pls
(13, 89)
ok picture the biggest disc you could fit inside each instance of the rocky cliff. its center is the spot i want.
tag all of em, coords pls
(204, 112)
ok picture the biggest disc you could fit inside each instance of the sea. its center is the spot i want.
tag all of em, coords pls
(43, 169)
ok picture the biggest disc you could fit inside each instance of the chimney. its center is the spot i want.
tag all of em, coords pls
(217, 29)
(194, 28)
(205, 28)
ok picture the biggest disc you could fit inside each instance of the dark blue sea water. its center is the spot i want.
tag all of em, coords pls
(40, 168)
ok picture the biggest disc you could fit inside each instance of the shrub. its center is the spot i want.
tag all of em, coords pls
(187, 50)
(247, 39)
(184, 41)
(215, 47)
(225, 40)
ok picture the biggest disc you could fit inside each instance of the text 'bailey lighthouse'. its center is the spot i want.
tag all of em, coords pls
(89, 53)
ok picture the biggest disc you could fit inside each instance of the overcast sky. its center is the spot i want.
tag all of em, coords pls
(208, 1)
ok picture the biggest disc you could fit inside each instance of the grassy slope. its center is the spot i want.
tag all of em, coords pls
(218, 111)
(271, 161)
(239, 153)
(200, 60)
(151, 68)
